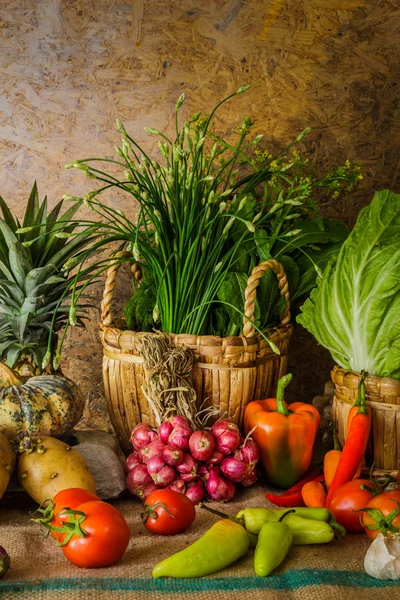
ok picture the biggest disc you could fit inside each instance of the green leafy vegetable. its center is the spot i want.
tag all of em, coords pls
(355, 310)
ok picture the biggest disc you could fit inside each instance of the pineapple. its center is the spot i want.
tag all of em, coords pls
(36, 257)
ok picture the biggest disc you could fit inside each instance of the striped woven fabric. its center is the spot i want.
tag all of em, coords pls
(40, 571)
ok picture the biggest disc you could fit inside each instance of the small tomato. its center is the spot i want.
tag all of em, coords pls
(383, 514)
(350, 497)
(100, 538)
(167, 512)
(70, 498)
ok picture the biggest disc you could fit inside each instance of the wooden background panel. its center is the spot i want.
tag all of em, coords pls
(69, 68)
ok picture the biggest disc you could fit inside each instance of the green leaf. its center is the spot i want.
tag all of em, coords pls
(53, 244)
(20, 321)
(355, 310)
(8, 234)
(7, 216)
(262, 241)
(232, 290)
(311, 233)
(41, 219)
(307, 264)
(292, 272)
(37, 276)
(20, 262)
(12, 354)
(31, 211)
(242, 260)
(10, 288)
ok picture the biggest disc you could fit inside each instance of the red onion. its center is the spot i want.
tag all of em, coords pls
(142, 436)
(204, 471)
(223, 425)
(178, 486)
(202, 445)
(248, 452)
(161, 473)
(179, 438)
(155, 464)
(172, 456)
(252, 478)
(228, 440)
(153, 449)
(139, 482)
(164, 431)
(195, 491)
(218, 488)
(132, 461)
(235, 470)
(216, 457)
(178, 421)
(188, 468)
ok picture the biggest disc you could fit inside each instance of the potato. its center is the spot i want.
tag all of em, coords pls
(46, 466)
(7, 462)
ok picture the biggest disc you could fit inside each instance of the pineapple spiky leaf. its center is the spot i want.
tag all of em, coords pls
(7, 216)
(36, 283)
(32, 208)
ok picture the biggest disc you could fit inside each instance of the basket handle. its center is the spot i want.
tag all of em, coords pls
(106, 317)
(251, 293)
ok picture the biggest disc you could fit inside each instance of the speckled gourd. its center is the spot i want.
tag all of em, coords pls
(7, 463)
(46, 466)
(42, 405)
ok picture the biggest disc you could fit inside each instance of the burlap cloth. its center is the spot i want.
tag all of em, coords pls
(39, 570)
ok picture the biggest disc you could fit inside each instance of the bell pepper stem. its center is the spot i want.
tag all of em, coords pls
(223, 515)
(280, 403)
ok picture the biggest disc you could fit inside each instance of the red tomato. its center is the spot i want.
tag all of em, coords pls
(106, 540)
(168, 512)
(348, 498)
(386, 503)
(70, 498)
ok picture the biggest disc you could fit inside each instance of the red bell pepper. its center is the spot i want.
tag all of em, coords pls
(284, 434)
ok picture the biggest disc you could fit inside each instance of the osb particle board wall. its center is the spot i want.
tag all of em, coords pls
(69, 68)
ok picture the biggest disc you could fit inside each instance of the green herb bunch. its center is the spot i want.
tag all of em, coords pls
(208, 210)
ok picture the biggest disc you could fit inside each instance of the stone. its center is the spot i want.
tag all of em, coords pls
(329, 389)
(320, 402)
(103, 457)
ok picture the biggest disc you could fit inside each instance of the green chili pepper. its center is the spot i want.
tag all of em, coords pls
(220, 546)
(253, 539)
(308, 531)
(255, 518)
(274, 542)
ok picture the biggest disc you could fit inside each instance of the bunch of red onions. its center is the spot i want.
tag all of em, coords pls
(196, 463)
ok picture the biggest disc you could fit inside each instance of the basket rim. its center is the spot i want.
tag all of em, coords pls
(352, 377)
(275, 334)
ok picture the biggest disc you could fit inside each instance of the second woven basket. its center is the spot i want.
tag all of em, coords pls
(227, 373)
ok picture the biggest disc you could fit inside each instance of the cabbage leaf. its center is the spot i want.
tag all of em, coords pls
(355, 309)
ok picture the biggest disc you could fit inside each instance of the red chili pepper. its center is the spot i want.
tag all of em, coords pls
(292, 497)
(356, 442)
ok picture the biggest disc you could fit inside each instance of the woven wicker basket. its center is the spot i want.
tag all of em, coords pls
(228, 372)
(383, 396)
